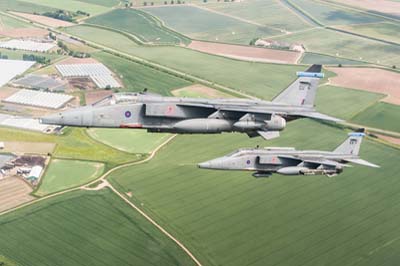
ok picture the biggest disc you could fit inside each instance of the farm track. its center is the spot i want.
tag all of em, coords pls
(104, 184)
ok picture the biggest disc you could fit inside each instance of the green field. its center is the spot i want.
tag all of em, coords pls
(384, 31)
(18, 54)
(73, 5)
(209, 93)
(102, 36)
(266, 12)
(73, 144)
(333, 15)
(345, 45)
(137, 77)
(129, 140)
(107, 3)
(7, 261)
(341, 103)
(7, 23)
(210, 26)
(260, 79)
(231, 218)
(21, 6)
(312, 58)
(381, 115)
(64, 174)
(142, 25)
(85, 228)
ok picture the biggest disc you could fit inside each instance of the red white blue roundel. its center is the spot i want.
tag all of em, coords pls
(128, 114)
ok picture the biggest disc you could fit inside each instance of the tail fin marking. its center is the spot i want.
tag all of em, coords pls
(351, 145)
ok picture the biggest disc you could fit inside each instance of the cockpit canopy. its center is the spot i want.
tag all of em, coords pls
(118, 98)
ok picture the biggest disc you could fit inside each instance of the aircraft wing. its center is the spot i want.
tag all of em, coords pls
(362, 162)
(319, 116)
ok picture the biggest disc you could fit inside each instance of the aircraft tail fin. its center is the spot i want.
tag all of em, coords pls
(303, 90)
(351, 145)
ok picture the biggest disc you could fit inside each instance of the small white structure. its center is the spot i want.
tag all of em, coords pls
(39, 99)
(27, 45)
(98, 72)
(35, 173)
(11, 68)
(1, 145)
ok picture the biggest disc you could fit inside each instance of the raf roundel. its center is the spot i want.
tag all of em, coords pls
(128, 114)
(248, 162)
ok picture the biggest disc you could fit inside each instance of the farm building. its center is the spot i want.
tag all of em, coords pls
(41, 82)
(98, 72)
(35, 173)
(27, 45)
(39, 99)
(11, 68)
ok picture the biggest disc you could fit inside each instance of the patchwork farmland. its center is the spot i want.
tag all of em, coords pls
(140, 24)
(129, 197)
(66, 226)
(209, 26)
(270, 221)
(64, 174)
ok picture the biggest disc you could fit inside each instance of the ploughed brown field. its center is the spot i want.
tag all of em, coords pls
(23, 32)
(75, 60)
(96, 95)
(369, 79)
(51, 22)
(246, 53)
(13, 192)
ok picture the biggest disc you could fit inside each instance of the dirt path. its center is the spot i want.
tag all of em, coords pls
(105, 184)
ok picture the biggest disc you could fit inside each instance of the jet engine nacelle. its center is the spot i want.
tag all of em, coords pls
(201, 125)
(292, 170)
(276, 123)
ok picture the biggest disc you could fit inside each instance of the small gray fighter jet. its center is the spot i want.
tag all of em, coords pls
(187, 115)
(288, 161)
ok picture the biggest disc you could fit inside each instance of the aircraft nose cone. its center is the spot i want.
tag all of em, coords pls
(218, 163)
(204, 165)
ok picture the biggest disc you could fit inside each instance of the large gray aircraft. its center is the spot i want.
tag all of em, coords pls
(187, 115)
(288, 161)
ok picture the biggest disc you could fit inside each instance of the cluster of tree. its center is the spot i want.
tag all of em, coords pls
(65, 50)
(38, 58)
(253, 41)
(60, 14)
(65, 15)
(82, 13)
(128, 4)
(172, 2)
(52, 36)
